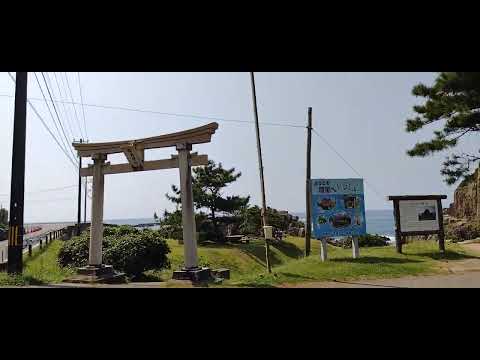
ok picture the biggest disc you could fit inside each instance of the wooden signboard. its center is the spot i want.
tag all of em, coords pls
(417, 215)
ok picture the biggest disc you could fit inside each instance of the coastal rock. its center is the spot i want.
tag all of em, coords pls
(466, 203)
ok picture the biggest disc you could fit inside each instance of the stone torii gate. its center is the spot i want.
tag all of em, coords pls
(134, 151)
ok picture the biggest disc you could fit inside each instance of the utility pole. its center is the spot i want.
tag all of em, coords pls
(79, 207)
(85, 200)
(85, 203)
(308, 220)
(262, 182)
(17, 189)
(478, 192)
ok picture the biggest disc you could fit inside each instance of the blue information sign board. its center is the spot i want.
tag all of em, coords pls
(338, 207)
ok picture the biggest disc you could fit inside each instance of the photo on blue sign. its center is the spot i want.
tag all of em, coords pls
(338, 208)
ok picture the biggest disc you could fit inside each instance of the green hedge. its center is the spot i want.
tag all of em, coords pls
(367, 240)
(125, 248)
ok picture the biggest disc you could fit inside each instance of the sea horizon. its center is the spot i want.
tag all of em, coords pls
(379, 221)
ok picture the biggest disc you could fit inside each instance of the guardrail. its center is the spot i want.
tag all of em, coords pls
(41, 241)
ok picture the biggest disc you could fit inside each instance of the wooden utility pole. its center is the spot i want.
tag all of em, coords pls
(308, 192)
(79, 205)
(478, 192)
(85, 202)
(17, 189)
(262, 182)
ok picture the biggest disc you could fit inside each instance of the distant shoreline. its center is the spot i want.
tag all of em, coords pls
(379, 221)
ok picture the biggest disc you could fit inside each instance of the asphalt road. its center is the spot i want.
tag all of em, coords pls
(33, 237)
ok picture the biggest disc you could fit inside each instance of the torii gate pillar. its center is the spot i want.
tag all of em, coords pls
(96, 271)
(191, 271)
(188, 214)
(96, 230)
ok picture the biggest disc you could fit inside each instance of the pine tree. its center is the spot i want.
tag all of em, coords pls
(454, 101)
(208, 183)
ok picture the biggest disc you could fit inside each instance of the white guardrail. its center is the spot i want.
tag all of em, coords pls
(34, 240)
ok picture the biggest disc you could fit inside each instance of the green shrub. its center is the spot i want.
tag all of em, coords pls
(367, 240)
(125, 230)
(133, 252)
(250, 220)
(203, 236)
(171, 232)
(109, 230)
(75, 251)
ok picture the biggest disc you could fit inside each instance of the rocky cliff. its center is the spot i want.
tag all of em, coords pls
(466, 203)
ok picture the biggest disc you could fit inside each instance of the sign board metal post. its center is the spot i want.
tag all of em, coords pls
(323, 249)
(355, 248)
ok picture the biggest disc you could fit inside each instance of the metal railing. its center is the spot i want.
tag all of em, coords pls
(29, 244)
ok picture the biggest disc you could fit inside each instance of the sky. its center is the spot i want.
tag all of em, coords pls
(362, 115)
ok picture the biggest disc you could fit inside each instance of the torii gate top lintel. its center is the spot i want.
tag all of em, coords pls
(134, 150)
(199, 135)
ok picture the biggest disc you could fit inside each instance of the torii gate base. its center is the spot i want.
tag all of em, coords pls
(194, 275)
(103, 274)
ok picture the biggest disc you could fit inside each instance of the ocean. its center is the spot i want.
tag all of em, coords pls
(379, 222)
(133, 222)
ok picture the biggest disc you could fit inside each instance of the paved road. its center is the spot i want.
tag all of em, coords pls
(33, 237)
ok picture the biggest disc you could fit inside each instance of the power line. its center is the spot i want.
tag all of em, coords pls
(56, 112)
(58, 117)
(49, 200)
(349, 165)
(67, 116)
(75, 120)
(66, 102)
(83, 108)
(44, 124)
(195, 116)
(74, 108)
(50, 111)
(47, 190)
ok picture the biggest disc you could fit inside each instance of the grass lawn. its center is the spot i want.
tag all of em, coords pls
(419, 257)
(247, 262)
(40, 269)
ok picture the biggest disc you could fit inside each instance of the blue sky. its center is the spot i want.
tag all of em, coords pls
(361, 114)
